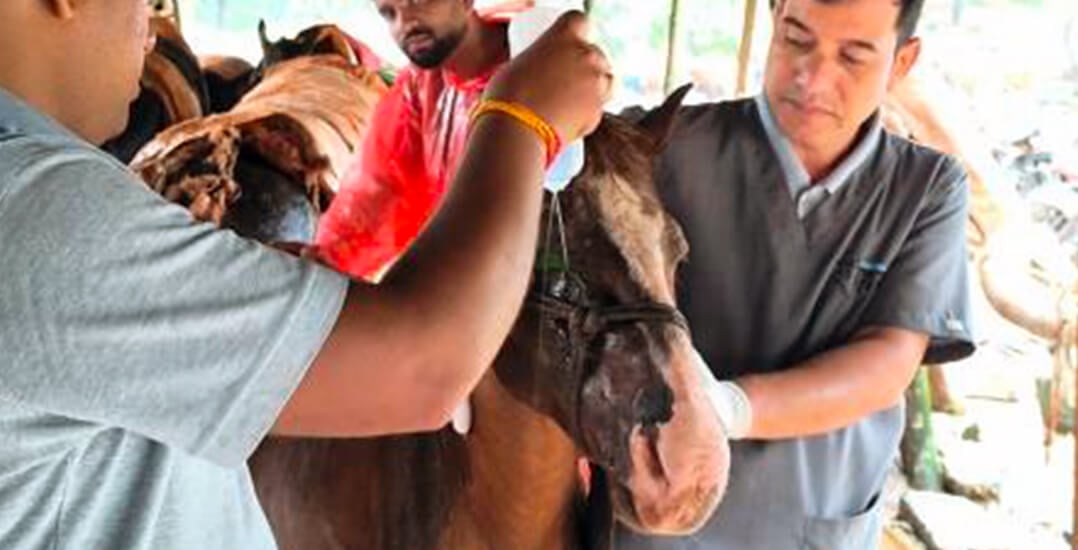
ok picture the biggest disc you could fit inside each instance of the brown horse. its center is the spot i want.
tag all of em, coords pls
(596, 367)
(294, 134)
(177, 86)
(229, 78)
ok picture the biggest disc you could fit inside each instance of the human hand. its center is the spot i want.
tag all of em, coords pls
(730, 402)
(562, 77)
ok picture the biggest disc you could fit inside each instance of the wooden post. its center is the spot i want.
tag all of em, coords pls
(673, 55)
(744, 50)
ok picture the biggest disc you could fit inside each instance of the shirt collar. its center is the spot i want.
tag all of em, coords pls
(475, 83)
(797, 178)
(16, 116)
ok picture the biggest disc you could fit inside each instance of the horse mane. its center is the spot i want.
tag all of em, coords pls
(620, 165)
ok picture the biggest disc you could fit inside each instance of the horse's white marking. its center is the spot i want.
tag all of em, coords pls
(621, 207)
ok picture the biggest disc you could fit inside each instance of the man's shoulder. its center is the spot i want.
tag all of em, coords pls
(717, 121)
(411, 88)
(407, 80)
(412, 78)
(724, 112)
(47, 144)
(19, 151)
(49, 173)
(912, 151)
(28, 157)
(727, 108)
(938, 172)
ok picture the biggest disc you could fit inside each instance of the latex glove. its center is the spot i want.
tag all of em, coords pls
(730, 402)
(462, 418)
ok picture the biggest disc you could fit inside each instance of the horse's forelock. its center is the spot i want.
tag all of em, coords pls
(618, 147)
(618, 173)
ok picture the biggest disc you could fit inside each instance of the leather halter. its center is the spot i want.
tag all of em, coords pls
(561, 296)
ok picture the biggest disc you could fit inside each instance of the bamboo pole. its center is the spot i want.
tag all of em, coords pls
(673, 55)
(744, 50)
(920, 458)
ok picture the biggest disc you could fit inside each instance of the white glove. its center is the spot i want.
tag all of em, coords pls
(730, 402)
(462, 417)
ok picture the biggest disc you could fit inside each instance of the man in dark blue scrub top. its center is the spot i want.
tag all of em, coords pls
(828, 261)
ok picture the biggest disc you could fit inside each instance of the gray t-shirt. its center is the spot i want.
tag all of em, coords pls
(768, 284)
(144, 355)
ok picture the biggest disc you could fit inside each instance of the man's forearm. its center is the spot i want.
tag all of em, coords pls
(404, 354)
(836, 388)
(421, 339)
(474, 261)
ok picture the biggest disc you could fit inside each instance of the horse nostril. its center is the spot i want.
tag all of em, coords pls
(654, 405)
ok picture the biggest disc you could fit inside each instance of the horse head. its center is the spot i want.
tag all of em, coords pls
(600, 346)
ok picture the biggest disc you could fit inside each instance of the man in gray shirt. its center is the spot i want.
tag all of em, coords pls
(827, 261)
(144, 356)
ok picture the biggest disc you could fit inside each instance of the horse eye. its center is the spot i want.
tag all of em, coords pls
(562, 327)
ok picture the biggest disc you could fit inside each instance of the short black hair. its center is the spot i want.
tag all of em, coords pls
(908, 16)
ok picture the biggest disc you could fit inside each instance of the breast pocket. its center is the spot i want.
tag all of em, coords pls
(846, 295)
(857, 276)
(858, 532)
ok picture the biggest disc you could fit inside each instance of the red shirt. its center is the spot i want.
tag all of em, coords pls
(410, 154)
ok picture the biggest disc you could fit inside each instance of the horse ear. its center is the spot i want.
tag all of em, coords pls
(267, 46)
(659, 122)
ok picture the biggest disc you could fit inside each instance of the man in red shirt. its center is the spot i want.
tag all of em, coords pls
(417, 133)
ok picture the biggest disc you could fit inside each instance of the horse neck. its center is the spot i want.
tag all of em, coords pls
(523, 478)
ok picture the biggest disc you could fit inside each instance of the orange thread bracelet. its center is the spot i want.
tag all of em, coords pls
(525, 116)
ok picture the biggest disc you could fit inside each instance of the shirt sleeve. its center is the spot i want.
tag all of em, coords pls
(926, 289)
(386, 196)
(117, 309)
